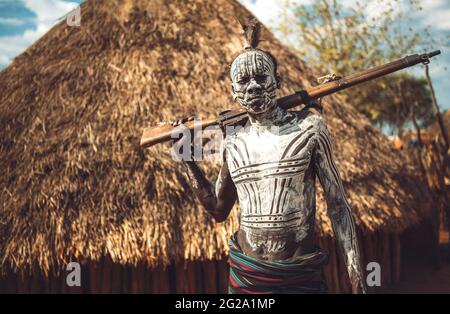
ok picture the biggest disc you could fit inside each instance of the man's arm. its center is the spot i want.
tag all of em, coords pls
(218, 200)
(338, 207)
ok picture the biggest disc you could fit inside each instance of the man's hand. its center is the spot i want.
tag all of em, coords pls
(180, 122)
(184, 142)
(357, 282)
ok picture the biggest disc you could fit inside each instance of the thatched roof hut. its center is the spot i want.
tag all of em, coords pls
(75, 185)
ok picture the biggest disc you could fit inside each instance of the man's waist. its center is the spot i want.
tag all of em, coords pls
(305, 251)
(273, 245)
(275, 220)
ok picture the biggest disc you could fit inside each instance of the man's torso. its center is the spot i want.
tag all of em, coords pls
(274, 177)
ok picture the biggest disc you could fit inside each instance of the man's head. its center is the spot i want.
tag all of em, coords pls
(255, 81)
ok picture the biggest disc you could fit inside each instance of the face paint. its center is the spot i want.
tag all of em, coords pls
(254, 82)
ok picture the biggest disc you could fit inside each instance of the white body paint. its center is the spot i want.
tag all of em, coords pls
(268, 165)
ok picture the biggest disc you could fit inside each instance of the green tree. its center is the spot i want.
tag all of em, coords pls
(343, 40)
(411, 103)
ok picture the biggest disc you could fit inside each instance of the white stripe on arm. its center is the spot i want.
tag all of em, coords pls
(337, 205)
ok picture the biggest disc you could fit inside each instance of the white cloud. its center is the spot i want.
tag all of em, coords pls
(14, 45)
(11, 21)
(49, 11)
(438, 19)
(441, 20)
(434, 12)
(375, 8)
(47, 14)
(433, 4)
(267, 11)
(4, 59)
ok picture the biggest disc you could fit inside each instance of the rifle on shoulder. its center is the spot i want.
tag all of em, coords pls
(162, 133)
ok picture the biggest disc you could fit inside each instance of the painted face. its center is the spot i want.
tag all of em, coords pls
(254, 83)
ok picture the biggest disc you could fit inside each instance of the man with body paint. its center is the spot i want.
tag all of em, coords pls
(270, 165)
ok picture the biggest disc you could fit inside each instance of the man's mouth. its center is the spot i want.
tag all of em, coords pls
(255, 100)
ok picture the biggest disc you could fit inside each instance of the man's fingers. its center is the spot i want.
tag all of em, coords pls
(182, 120)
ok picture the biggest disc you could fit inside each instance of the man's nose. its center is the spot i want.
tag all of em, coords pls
(254, 87)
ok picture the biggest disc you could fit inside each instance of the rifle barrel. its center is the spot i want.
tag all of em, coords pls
(158, 134)
(296, 99)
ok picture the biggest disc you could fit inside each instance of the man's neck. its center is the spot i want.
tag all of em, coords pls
(275, 117)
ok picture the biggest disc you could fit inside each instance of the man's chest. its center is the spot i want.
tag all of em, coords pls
(256, 156)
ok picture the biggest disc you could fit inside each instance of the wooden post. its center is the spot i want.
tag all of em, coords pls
(142, 269)
(23, 283)
(163, 280)
(37, 284)
(94, 277)
(181, 278)
(126, 279)
(385, 258)
(370, 252)
(106, 282)
(148, 279)
(63, 283)
(138, 277)
(209, 276)
(84, 277)
(116, 278)
(193, 279)
(154, 279)
(396, 257)
(11, 283)
(222, 275)
(55, 283)
(362, 252)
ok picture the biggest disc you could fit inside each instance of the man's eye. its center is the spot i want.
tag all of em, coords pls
(243, 80)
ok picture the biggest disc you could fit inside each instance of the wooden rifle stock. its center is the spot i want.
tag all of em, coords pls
(162, 133)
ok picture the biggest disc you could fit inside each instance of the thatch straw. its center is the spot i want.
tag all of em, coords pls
(75, 186)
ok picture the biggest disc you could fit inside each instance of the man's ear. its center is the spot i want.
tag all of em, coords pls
(278, 78)
(233, 93)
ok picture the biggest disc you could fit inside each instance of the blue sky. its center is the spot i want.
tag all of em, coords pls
(22, 22)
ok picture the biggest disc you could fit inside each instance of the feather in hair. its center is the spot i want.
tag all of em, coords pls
(252, 33)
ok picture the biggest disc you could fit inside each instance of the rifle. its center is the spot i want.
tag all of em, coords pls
(162, 133)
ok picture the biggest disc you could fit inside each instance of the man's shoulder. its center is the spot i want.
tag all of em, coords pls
(234, 132)
(311, 120)
(234, 135)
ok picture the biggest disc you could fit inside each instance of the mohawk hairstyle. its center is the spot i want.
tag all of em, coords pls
(252, 35)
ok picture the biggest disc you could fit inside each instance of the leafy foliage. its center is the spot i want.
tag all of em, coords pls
(343, 40)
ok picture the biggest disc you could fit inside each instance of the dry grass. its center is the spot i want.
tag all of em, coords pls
(75, 185)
